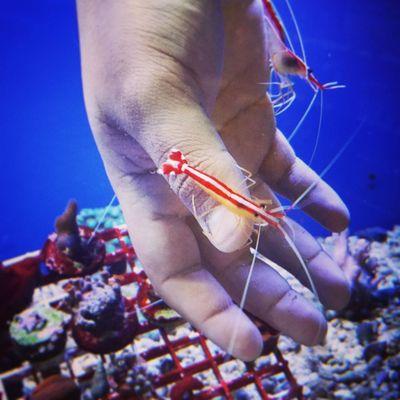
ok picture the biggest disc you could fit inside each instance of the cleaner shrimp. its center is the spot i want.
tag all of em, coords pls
(285, 62)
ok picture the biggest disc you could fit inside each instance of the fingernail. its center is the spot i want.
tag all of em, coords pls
(228, 232)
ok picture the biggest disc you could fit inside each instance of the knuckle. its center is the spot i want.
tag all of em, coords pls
(215, 310)
(280, 160)
(288, 174)
(165, 279)
(280, 299)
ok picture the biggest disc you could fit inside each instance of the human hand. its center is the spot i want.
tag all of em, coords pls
(163, 74)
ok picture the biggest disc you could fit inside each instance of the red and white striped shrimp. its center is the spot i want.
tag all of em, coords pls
(239, 204)
(284, 60)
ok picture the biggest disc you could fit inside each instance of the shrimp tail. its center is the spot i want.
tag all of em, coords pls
(175, 164)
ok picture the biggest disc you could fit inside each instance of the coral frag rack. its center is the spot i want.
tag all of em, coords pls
(211, 374)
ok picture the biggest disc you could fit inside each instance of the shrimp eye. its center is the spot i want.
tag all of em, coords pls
(265, 207)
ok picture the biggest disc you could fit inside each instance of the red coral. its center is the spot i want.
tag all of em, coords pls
(60, 262)
(17, 283)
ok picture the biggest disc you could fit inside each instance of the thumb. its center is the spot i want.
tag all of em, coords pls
(191, 132)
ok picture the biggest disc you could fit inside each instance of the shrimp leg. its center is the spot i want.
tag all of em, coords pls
(200, 218)
(248, 177)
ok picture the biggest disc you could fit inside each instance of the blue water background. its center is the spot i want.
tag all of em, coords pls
(47, 153)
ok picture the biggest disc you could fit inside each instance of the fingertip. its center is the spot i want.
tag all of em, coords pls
(328, 209)
(333, 287)
(248, 344)
(341, 293)
(340, 217)
(314, 328)
(227, 231)
(336, 290)
(234, 332)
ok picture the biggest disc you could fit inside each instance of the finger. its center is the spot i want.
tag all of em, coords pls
(169, 252)
(331, 284)
(291, 177)
(271, 299)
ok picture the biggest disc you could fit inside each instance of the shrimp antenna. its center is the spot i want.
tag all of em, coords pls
(292, 135)
(323, 173)
(321, 103)
(329, 166)
(154, 303)
(244, 295)
(101, 220)
(300, 259)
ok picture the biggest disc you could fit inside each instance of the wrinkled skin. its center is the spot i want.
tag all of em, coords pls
(162, 74)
